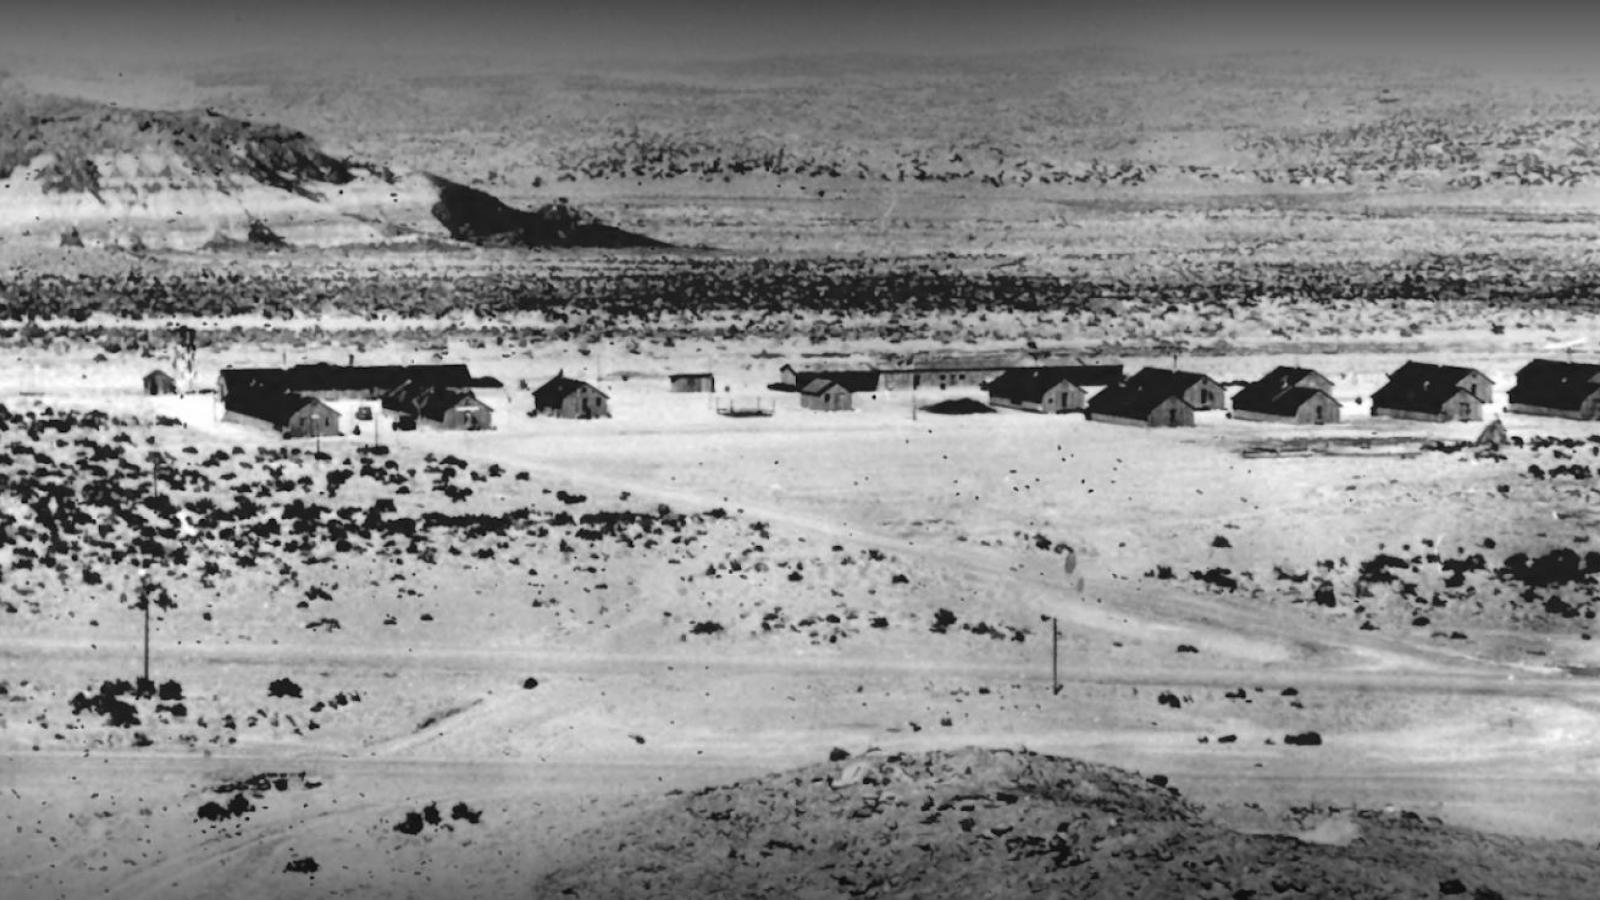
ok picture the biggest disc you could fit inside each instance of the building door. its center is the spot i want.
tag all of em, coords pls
(1319, 413)
(1172, 416)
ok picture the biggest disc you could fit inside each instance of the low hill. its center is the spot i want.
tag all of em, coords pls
(998, 823)
(481, 218)
(67, 141)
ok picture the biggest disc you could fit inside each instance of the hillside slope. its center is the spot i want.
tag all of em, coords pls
(1000, 823)
(77, 171)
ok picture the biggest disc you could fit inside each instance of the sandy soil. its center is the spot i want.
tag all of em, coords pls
(834, 522)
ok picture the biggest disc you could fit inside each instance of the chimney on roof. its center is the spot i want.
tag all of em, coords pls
(352, 360)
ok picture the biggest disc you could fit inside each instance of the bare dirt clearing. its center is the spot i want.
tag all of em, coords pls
(644, 612)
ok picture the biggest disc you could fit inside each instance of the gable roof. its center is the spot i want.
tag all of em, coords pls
(238, 379)
(1413, 372)
(435, 403)
(1167, 381)
(817, 386)
(1290, 376)
(1282, 403)
(1030, 384)
(1424, 387)
(311, 377)
(560, 387)
(1271, 395)
(1555, 384)
(1426, 395)
(1131, 401)
(1559, 368)
(274, 406)
(852, 380)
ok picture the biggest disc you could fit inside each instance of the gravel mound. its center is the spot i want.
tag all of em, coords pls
(999, 823)
(958, 406)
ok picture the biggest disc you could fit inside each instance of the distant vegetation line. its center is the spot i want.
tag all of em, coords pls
(636, 293)
(1396, 150)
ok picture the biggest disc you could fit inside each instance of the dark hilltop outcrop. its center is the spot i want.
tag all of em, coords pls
(481, 218)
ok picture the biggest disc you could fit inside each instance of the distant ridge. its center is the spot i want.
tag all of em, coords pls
(76, 136)
(83, 173)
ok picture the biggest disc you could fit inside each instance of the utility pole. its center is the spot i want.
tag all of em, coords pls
(144, 600)
(1055, 657)
(1069, 562)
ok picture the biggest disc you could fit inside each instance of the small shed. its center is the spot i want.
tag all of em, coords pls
(568, 398)
(1130, 404)
(825, 394)
(455, 409)
(158, 382)
(693, 383)
(312, 418)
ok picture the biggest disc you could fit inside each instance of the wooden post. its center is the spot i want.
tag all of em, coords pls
(1055, 655)
(145, 599)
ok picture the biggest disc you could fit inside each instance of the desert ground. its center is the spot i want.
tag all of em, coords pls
(652, 654)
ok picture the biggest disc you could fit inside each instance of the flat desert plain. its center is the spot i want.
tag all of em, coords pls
(876, 652)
